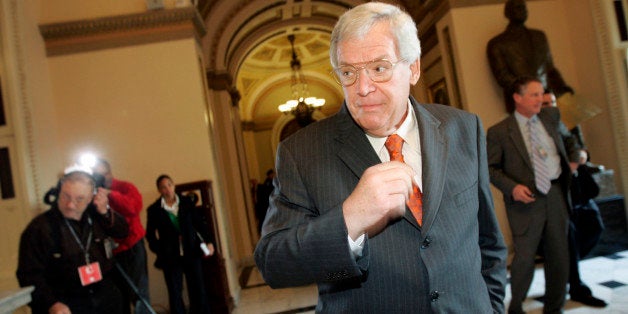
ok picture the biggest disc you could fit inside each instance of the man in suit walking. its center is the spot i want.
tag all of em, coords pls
(529, 156)
(382, 236)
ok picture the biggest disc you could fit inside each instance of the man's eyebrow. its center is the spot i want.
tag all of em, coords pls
(365, 62)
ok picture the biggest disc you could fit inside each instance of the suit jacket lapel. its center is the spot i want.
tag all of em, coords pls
(550, 129)
(354, 149)
(517, 138)
(433, 156)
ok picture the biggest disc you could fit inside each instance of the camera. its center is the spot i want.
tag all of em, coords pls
(99, 180)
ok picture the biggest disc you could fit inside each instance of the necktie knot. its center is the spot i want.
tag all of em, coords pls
(394, 144)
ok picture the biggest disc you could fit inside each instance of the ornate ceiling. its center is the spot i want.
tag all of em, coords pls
(248, 41)
(264, 78)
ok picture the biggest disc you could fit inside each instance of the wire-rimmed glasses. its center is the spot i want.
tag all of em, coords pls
(380, 70)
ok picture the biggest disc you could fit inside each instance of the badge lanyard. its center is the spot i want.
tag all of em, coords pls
(85, 248)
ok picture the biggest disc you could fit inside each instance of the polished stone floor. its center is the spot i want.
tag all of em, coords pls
(607, 276)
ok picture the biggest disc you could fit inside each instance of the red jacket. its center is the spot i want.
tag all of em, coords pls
(126, 200)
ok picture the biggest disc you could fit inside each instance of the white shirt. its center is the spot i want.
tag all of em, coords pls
(411, 150)
(174, 208)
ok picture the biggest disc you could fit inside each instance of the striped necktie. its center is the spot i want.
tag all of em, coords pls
(394, 145)
(539, 154)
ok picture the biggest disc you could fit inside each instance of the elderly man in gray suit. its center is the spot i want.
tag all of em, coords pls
(380, 236)
(529, 156)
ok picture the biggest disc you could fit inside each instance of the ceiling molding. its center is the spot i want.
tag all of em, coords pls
(124, 30)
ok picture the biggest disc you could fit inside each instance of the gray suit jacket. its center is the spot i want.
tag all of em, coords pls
(508, 157)
(454, 263)
(510, 164)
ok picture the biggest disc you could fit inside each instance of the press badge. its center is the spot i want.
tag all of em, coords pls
(90, 273)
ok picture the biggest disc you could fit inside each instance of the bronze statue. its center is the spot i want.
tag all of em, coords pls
(520, 51)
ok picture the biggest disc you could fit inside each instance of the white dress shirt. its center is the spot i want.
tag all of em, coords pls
(174, 208)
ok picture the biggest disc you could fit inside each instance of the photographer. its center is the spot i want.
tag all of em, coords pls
(125, 199)
(65, 252)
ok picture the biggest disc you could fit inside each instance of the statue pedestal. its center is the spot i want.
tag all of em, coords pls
(14, 299)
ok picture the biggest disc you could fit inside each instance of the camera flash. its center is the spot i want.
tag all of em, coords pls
(88, 160)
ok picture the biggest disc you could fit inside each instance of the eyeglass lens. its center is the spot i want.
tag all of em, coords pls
(377, 71)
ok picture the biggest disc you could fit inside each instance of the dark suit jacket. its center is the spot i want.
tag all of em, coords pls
(454, 263)
(163, 238)
(509, 161)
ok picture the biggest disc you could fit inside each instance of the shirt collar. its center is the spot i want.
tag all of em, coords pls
(404, 130)
(522, 120)
(174, 206)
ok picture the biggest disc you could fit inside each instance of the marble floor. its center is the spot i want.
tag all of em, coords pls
(607, 276)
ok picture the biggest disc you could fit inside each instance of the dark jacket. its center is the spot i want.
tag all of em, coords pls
(49, 256)
(163, 237)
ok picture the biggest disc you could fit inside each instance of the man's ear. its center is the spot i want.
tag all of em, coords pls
(516, 97)
(415, 68)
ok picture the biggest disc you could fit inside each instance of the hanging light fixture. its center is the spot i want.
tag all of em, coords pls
(302, 105)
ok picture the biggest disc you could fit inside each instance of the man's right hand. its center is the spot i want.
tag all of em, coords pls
(59, 308)
(521, 193)
(379, 197)
(101, 201)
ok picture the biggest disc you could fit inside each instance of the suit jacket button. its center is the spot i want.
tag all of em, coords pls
(434, 296)
(426, 243)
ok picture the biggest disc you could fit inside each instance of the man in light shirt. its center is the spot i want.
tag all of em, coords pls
(520, 146)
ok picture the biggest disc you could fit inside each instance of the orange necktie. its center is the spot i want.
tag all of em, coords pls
(393, 144)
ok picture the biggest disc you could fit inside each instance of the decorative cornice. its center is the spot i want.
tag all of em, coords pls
(219, 81)
(223, 82)
(248, 126)
(124, 30)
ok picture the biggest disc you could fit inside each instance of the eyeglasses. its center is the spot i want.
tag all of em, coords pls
(80, 200)
(377, 70)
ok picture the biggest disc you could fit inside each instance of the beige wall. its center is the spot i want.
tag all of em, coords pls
(142, 108)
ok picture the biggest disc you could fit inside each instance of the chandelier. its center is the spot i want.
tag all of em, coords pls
(302, 105)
